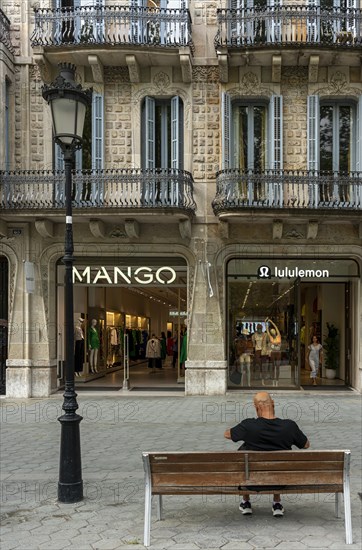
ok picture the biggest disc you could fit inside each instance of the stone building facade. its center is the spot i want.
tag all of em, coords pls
(245, 95)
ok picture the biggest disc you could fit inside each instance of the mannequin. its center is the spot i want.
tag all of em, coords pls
(242, 354)
(79, 346)
(275, 346)
(258, 339)
(153, 353)
(93, 345)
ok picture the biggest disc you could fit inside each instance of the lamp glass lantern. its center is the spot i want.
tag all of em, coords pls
(68, 103)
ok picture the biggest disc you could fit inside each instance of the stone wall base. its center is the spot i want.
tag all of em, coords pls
(30, 379)
(206, 378)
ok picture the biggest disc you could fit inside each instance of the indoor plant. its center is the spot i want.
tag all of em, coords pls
(331, 351)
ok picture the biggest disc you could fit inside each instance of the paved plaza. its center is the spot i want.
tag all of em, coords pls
(116, 428)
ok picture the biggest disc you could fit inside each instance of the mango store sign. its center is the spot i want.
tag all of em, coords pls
(124, 275)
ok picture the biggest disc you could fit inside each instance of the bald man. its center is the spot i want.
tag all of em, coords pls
(266, 433)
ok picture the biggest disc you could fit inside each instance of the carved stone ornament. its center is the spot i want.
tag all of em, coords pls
(116, 74)
(250, 86)
(161, 80)
(294, 234)
(205, 74)
(250, 82)
(338, 85)
(118, 233)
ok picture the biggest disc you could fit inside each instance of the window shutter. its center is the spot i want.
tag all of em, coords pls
(359, 136)
(97, 131)
(313, 132)
(313, 22)
(99, 21)
(57, 24)
(276, 133)
(274, 24)
(276, 148)
(137, 21)
(358, 192)
(78, 159)
(59, 159)
(234, 26)
(225, 128)
(175, 132)
(149, 134)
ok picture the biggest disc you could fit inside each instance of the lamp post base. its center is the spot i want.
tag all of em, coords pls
(70, 493)
(70, 485)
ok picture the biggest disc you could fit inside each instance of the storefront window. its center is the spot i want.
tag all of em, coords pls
(275, 307)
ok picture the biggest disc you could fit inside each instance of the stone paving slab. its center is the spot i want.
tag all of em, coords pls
(115, 431)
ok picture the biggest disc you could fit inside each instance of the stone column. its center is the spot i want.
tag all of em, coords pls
(206, 372)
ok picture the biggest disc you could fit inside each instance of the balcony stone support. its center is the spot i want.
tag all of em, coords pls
(133, 69)
(132, 228)
(277, 229)
(276, 68)
(223, 67)
(312, 229)
(45, 228)
(185, 229)
(97, 228)
(313, 68)
(186, 67)
(44, 67)
(97, 67)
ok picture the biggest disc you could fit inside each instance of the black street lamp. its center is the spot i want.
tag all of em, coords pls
(68, 103)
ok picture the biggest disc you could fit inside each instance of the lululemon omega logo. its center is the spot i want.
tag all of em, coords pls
(264, 272)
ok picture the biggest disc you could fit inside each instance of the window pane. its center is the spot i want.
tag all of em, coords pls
(259, 138)
(326, 137)
(345, 139)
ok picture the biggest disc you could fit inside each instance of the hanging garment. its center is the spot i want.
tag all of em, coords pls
(153, 349)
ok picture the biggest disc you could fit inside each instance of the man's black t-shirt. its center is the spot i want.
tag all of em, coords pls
(264, 434)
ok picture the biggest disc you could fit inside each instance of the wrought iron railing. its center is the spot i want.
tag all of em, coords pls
(291, 25)
(113, 25)
(297, 189)
(127, 188)
(5, 31)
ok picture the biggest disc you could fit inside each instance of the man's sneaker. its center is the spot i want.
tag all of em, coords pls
(278, 509)
(245, 507)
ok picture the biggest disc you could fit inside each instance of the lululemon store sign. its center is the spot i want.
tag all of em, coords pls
(124, 275)
(265, 272)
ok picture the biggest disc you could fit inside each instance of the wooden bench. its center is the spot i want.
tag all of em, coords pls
(236, 472)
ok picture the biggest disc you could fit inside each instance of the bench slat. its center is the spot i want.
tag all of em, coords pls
(174, 467)
(255, 478)
(219, 490)
(239, 456)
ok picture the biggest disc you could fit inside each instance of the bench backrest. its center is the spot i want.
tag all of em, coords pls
(230, 471)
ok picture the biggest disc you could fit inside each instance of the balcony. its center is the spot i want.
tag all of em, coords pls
(290, 192)
(293, 32)
(5, 32)
(142, 192)
(112, 33)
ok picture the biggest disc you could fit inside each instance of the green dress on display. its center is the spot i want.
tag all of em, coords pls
(93, 338)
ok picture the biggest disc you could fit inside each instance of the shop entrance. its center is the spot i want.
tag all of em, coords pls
(274, 313)
(118, 310)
